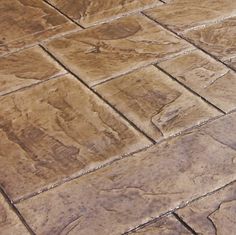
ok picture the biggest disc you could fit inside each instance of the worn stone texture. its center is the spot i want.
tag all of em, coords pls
(25, 68)
(168, 225)
(115, 48)
(57, 130)
(139, 188)
(155, 103)
(181, 15)
(214, 214)
(209, 78)
(231, 62)
(10, 224)
(24, 22)
(218, 39)
(90, 12)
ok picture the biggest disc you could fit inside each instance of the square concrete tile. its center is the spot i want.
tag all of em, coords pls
(25, 68)
(181, 15)
(106, 51)
(209, 78)
(155, 103)
(24, 22)
(92, 12)
(214, 214)
(57, 130)
(138, 188)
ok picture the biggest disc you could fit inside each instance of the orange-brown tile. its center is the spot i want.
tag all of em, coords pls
(217, 39)
(24, 22)
(112, 49)
(25, 68)
(10, 224)
(155, 103)
(180, 15)
(89, 12)
(165, 226)
(57, 130)
(214, 214)
(209, 78)
(138, 188)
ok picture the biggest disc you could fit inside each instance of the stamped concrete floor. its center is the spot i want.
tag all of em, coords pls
(118, 117)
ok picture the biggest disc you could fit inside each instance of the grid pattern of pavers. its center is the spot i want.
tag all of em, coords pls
(118, 117)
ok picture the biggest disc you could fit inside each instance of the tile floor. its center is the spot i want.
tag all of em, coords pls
(118, 117)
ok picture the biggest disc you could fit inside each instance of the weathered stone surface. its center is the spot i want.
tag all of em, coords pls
(165, 226)
(115, 48)
(209, 78)
(24, 22)
(231, 62)
(214, 214)
(89, 12)
(180, 15)
(25, 68)
(9, 222)
(218, 39)
(136, 189)
(155, 103)
(57, 130)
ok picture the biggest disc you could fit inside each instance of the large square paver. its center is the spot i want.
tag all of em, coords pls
(24, 22)
(25, 68)
(106, 51)
(57, 130)
(155, 103)
(88, 13)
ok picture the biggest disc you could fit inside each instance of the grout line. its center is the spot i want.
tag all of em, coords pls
(66, 16)
(163, 1)
(189, 89)
(15, 210)
(184, 224)
(189, 41)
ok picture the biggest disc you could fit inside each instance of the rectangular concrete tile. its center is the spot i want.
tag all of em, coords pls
(180, 15)
(155, 103)
(138, 188)
(214, 214)
(168, 225)
(217, 39)
(10, 224)
(115, 48)
(26, 67)
(24, 22)
(57, 130)
(92, 12)
(209, 78)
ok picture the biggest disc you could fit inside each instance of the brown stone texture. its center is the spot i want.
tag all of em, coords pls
(214, 214)
(181, 15)
(57, 130)
(24, 22)
(90, 12)
(165, 226)
(155, 103)
(25, 68)
(136, 189)
(106, 51)
(10, 224)
(209, 78)
(217, 39)
(231, 62)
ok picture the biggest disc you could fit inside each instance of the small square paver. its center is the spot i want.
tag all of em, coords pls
(213, 214)
(88, 13)
(155, 103)
(25, 68)
(206, 76)
(106, 51)
(55, 131)
(24, 22)
(9, 222)
(181, 15)
(138, 188)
